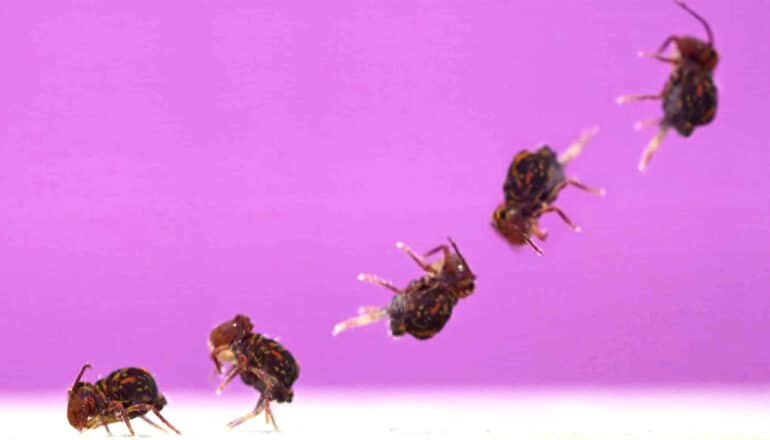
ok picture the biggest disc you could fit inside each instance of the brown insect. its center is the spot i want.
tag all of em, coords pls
(261, 362)
(425, 305)
(124, 394)
(689, 96)
(531, 186)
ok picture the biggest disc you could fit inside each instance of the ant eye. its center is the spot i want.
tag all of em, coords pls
(460, 268)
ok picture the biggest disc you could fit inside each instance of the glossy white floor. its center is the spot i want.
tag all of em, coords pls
(604, 414)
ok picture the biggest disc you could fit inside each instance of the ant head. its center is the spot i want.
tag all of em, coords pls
(82, 402)
(230, 331)
(695, 50)
(455, 271)
(514, 227)
(698, 52)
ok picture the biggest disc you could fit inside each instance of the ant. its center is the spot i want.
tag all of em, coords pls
(531, 186)
(124, 394)
(425, 305)
(689, 96)
(261, 362)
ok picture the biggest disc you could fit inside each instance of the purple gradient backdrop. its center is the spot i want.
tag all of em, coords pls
(168, 164)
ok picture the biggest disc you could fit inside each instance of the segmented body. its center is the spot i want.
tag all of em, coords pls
(689, 98)
(129, 386)
(423, 309)
(533, 179)
(271, 358)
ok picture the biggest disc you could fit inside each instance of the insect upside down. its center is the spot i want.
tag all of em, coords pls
(531, 186)
(425, 305)
(689, 97)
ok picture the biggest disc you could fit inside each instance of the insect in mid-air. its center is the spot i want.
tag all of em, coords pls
(689, 96)
(124, 394)
(425, 305)
(531, 186)
(261, 362)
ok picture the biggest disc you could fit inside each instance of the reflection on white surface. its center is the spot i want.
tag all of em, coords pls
(466, 415)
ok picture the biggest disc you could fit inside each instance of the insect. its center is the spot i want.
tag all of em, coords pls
(124, 394)
(689, 96)
(425, 305)
(531, 186)
(261, 363)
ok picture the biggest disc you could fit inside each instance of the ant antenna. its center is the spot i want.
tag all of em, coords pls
(699, 18)
(457, 251)
(80, 375)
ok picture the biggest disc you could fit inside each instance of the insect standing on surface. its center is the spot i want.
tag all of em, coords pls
(531, 186)
(261, 363)
(124, 394)
(425, 305)
(689, 96)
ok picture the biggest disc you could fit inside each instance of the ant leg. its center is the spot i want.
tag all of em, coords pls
(214, 373)
(104, 423)
(574, 150)
(641, 125)
(163, 419)
(417, 259)
(374, 279)
(229, 378)
(243, 365)
(657, 56)
(118, 407)
(264, 400)
(367, 315)
(148, 407)
(632, 98)
(151, 423)
(584, 187)
(269, 417)
(551, 208)
(262, 405)
(652, 147)
(255, 412)
(267, 395)
(363, 310)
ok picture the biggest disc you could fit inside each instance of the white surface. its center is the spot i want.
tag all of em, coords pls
(465, 415)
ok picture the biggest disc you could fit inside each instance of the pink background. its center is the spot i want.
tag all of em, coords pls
(164, 165)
